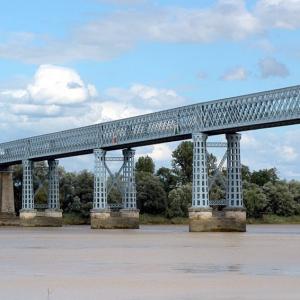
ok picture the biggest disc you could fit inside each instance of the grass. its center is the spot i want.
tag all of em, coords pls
(274, 219)
(146, 219)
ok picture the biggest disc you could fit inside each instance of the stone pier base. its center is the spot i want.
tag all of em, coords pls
(47, 218)
(107, 219)
(207, 220)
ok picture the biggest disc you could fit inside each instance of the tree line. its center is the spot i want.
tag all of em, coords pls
(168, 191)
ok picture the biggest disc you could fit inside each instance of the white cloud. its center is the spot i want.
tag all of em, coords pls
(147, 96)
(238, 73)
(54, 85)
(279, 13)
(59, 85)
(270, 67)
(288, 153)
(162, 152)
(57, 98)
(109, 36)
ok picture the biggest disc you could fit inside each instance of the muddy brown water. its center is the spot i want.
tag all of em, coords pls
(155, 262)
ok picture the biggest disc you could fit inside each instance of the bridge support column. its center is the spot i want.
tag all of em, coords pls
(102, 217)
(129, 213)
(7, 202)
(100, 214)
(27, 213)
(234, 212)
(200, 214)
(53, 214)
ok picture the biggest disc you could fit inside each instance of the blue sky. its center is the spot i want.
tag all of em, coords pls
(66, 64)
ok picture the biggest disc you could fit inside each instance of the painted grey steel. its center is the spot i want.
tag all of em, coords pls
(27, 185)
(254, 111)
(100, 195)
(216, 145)
(200, 175)
(128, 179)
(234, 193)
(221, 202)
(53, 185)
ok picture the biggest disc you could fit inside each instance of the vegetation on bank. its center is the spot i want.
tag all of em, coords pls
(164, 196)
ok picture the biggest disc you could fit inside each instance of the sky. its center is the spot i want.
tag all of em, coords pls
(65, 64)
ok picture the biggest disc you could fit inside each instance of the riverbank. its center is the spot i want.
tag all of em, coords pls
(145, 219)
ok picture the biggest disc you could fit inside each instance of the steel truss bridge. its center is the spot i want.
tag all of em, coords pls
(254, 111)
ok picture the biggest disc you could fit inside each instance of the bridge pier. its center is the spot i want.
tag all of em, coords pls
(102, 217)
(201, 216)
(7, 202)
(29, 216)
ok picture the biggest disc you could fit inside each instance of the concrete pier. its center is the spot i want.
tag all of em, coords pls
(47, 218)
(7, 202)
(108, 219)
(208, 220)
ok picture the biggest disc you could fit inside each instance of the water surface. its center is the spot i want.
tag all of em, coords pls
(155, 262)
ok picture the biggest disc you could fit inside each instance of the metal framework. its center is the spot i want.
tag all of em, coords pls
(254, 111)
(27, 185)
(129, 188)
(100, 195)
(53, 185)
(234, 194)
(200, 174)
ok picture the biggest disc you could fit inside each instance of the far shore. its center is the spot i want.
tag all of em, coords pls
(145, 219)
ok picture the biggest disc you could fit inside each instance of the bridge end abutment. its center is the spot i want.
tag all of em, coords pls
(7, 202)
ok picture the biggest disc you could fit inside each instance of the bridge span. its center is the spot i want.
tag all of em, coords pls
(198, 121)
(249, 112)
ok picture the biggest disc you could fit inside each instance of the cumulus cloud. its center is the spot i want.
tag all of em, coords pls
(57, 98)
(270, 67)
(238, 73)
(147, 96)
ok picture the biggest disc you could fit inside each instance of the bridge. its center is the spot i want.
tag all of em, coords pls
(228, 116)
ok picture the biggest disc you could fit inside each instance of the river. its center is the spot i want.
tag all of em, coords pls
(155, 262)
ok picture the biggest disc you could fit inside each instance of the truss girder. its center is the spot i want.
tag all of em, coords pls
(265, 109)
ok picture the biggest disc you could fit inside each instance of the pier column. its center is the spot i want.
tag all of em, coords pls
(234, 193)
(200, 213)
(7, 201)
(129, 213)
(129, 192)
(27, 213)
(100, 190)
(53, 214)
(53, 185)
(100, 214)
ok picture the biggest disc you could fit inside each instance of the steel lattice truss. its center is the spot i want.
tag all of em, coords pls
(254, 111)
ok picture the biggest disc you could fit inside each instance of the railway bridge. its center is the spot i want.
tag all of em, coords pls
(229, 116)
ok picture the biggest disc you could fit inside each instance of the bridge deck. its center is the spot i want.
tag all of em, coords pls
(249, 112)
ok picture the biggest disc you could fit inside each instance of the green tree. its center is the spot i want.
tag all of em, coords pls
(167, 178)
(264, 176)
(183, 161)
(279, 198)
(145, 164)
(255, 200)
(151, 196)
(179, 200)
